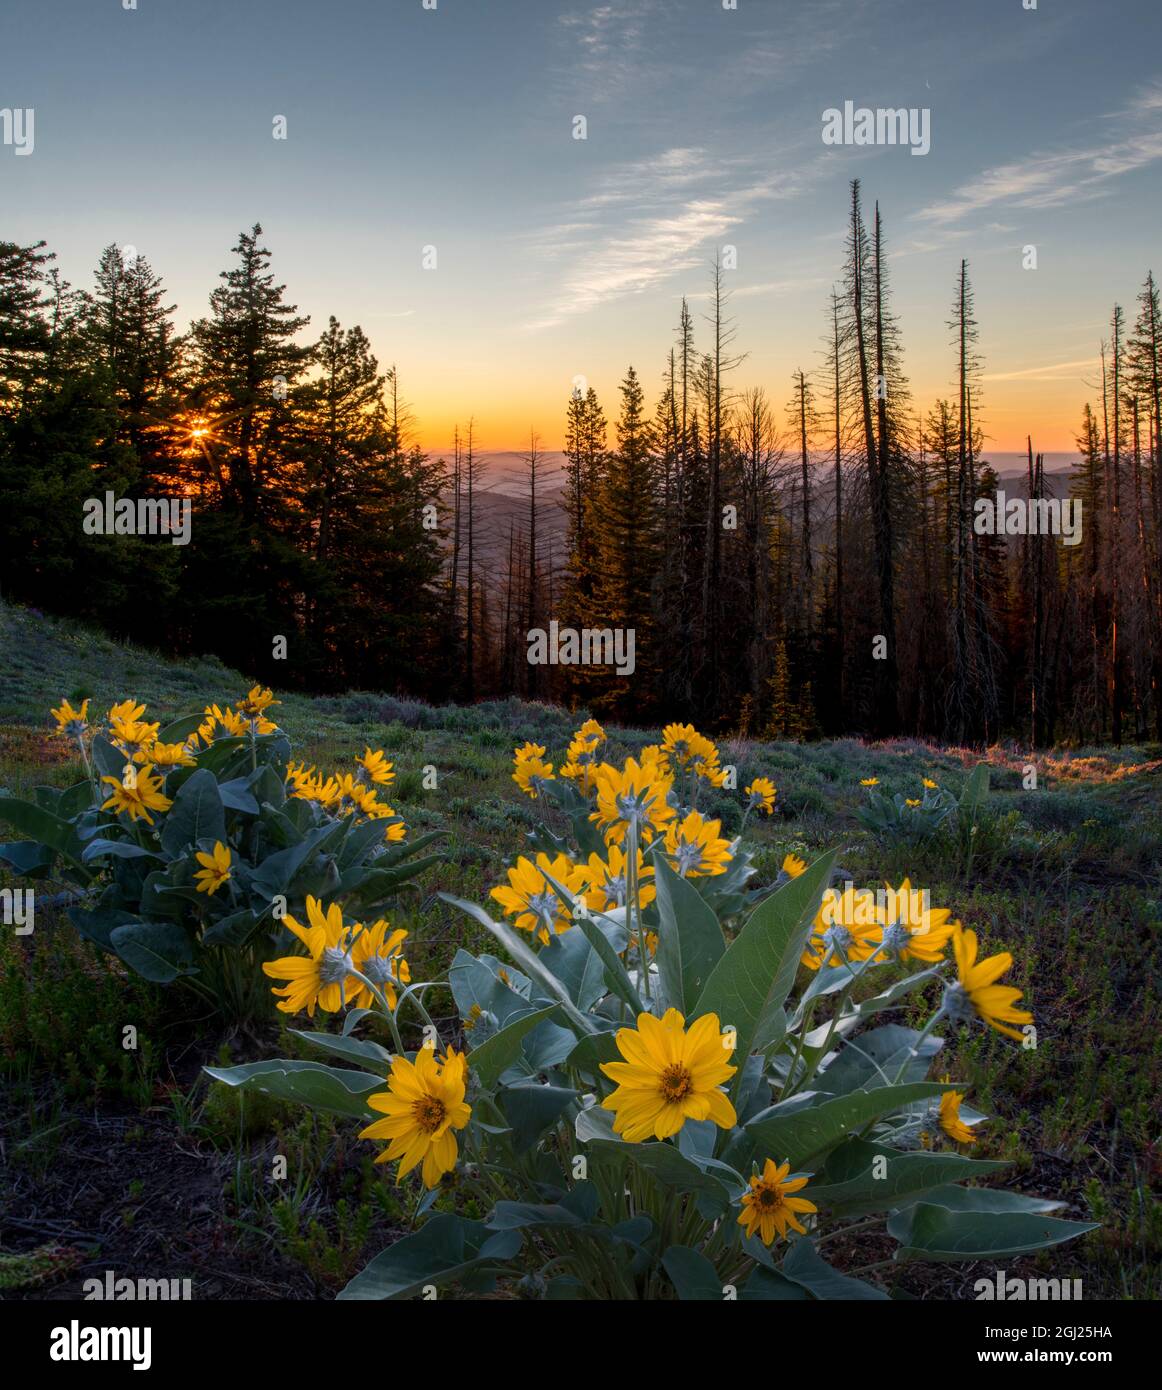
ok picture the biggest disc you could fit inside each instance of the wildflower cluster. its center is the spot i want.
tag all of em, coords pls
(350, 794)
(197, 846)
(635, 1103)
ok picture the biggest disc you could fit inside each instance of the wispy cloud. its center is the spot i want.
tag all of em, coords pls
(1050, 372)
(648, 220)
(1056, 178)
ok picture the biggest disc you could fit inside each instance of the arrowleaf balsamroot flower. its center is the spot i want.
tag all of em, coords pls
(69, 721)
(769, 1205)
(531, 899)
(133, 736)
(635, 795)
(374, 767)
(869, 781)
(695, 848)
(215, 870)
(976, 992)
(793, 866)
(670, 1075)
(423, 1104)
(848, 928)
(376, 954)
(257, 701)
(950, 1121)
(607, 883)
(138, 798)
(166, 755)
(531, 774)
(323, 976)
(762, 795)
(919, 932)
(128, 711)
(679, 743)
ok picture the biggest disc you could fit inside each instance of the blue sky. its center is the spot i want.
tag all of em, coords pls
(557, 257)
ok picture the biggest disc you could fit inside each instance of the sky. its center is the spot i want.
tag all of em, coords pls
(412, 127)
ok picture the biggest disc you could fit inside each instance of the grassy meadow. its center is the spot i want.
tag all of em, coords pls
(131, 1156)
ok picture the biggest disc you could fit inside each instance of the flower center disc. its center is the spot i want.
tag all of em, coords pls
(429, 1113)
(676, 1082)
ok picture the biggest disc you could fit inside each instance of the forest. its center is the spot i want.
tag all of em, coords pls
(795, 560)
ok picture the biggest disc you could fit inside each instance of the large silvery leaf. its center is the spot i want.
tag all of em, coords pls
(876, 1059)
(748, 986)
(530, 1110)
(802, 1134)
(445, 1249)
(475, 982)
(805, 1266)
(528, 961)
(572, 959)
(929, 1232)
(693, 1276)
(690, 941)
(362, 1050)
(160, 951)
(333, 1089)
(499, 1052)
(196, 814)
(667, 1165)
(615, 973)
(43, 826)
(848, 1184)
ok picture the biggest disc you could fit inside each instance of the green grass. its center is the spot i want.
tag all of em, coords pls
(1066, 876)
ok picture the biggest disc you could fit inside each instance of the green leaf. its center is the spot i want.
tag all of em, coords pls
(804, 1133)
(876, 1058)
(929, 1232)
(690, 940)
(180, 729)
(234, 930)
(108, 760)
(895, 992)
(75, 799)
(276, 873)
(595, 1122)
(671, 1168)
(196, 814)
(359, 840)
(994, 1199)
(692, 1275)
(807, 1267)
(578, 966)
(592, 1050)
(848, 1187)
(118, 849)
(350, 1049)
(615, 972)
(974, 793)
(445, 1249)
(748, 986)
(268, 787)
(98, 923)
(531, 1108)
(333, 1089)
(237, 796)
(766, 1285)
(160, 951)
(27, 857)
(36, 823)
(217, 757)
(497, 1053)
(526, 959)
